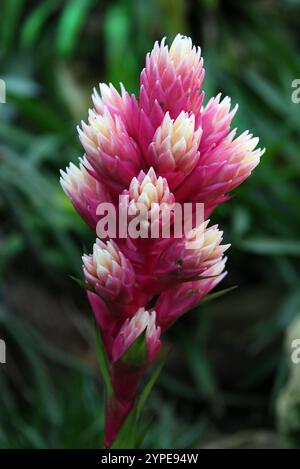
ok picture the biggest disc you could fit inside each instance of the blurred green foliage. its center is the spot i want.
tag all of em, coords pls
(51, 55)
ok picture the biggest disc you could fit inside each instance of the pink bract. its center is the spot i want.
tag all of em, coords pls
(164, 147)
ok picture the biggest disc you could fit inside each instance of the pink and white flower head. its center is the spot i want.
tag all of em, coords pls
(203, 247)
(111, 151)
(162, 149)
(192, 256)
(150, 197)
(215, 120)
(172, 79)
(174, 150)
(84, 191)
(147, 188)
(175, 302)
(123, 105)
(221, 169)
(141, 322)
(109, 273)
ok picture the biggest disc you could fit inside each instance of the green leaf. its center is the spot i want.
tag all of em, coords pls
(10, 248)
(136, 355)
(267, 92)
(34, 23)
(11, 11)
(198, 277)
(70, 24)
(272, 246)
(103, 362)
(82, 283)
(126, 438)
(40, 116)
(153, 378)
(217, 294)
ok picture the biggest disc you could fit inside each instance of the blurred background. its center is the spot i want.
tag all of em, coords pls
(230, 381)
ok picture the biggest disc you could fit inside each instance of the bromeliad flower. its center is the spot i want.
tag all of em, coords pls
(160, 151)
(109, 272)
(112, 277)
(84, 191)
(192, 256)
(221, 169)
(149, 196)
(175, 302)
(142, 321)
(111, 152)
(147, 189)
(171, 80)
(124, 105)
(174, 150)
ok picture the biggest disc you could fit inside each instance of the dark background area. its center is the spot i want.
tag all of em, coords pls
(230, 381)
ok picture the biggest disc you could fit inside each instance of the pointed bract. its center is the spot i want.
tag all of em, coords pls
(84, 191)
(142, 321)
(111, 151)
(190, 257)
(174, 150)
(109, 272)
(123, 105)
(175, 302)
(221, 169)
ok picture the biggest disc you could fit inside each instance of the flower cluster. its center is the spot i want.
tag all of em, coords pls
(161, 148)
